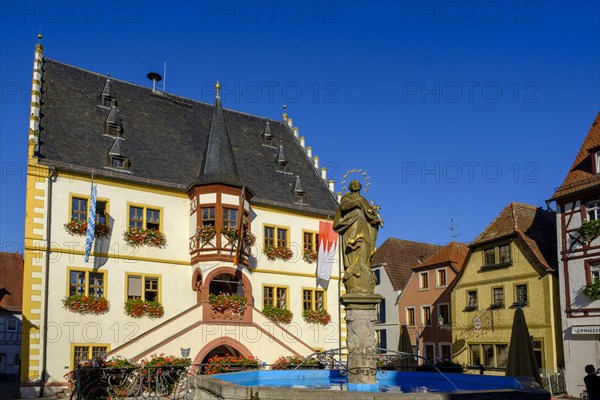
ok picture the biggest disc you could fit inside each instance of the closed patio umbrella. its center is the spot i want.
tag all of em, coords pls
(405, 346)
(521, 358)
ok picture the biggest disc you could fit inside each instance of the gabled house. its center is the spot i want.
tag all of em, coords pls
(392, 264)
(578, 207)
(512, 263)
(192, 200)
(11, 299)
(424, 304)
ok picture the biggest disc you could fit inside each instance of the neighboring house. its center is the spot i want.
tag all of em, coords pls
(424, 305)
(578, 202)
(511, 264)
(11, 298)
(392, 264)
(174, 169)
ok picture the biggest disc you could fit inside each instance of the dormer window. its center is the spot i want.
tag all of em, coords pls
(269, 140)
(593, 210)
(108, 101)
(300, 197)
(283, 166)
(113, 123)
(597, 162)
(119, 162)
(113, 129)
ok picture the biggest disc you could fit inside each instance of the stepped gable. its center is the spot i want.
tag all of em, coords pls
(400, 256)
(167, 139)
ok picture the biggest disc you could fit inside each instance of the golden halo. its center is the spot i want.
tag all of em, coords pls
(362, 173)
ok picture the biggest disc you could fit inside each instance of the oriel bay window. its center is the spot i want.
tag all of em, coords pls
(144, 287)
(208, 216)
(86, 282)
(275, 296)
(230, 217)
(144, 217)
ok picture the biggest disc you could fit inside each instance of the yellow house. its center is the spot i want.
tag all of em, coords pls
(512, 264)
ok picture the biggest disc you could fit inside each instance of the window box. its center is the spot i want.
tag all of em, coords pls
(470, 308)
(79, 228)
(205, 233)
(232, 235)
(223, 302)
(310, 256)
(316, 316)
(590, 230)
(496, 306)
(279, 315)
(138, 308)
(82, 304)
(137, 237)
(519, 304)
(282, 253)
(592, 291)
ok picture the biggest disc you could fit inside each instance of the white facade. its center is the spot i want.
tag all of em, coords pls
(390, 298)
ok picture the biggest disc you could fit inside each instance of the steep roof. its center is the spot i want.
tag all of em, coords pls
(400, 256)
(454, 253)
(167, 139)
(582, 176)
(11, 282)
(536, 227)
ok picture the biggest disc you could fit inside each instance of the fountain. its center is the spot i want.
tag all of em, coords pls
(357, 222)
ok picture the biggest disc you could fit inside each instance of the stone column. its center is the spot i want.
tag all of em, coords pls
(361, 315)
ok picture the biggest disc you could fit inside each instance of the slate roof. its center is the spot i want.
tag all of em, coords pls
(453, 253)
(400, 256)
(166, 139)
(582, 176)
(11, 282)
(536, 227)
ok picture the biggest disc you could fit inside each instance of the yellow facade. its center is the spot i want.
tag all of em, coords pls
(481, 334)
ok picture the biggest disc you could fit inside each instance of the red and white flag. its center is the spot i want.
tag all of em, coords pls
(327, 245)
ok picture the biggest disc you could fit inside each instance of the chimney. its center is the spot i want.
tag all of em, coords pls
(324, 173)
(289, 122)
(309, 151)
(331, 185)
(339, 196)
(302, 141)
(316, 161)
(296, 131)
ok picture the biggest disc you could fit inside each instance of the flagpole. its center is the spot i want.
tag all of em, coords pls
(340, 293)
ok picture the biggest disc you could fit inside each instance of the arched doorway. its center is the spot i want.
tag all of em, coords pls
(221, 347)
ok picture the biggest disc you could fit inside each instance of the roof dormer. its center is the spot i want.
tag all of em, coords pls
(108, 98)
(281, 161)
(267, 135)
(117, 157)
(299, 194)
(113, 123)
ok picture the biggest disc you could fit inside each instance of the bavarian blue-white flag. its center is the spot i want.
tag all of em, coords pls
(91, 224)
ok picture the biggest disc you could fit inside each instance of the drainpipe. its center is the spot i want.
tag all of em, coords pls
(46, 279)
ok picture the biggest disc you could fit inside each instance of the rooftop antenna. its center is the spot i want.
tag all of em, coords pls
(154, 77)
(453, 234)
(164, 84)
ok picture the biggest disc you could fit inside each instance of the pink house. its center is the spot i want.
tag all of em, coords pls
(424, 305)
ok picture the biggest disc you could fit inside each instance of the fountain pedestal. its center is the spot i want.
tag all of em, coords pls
(361, 314)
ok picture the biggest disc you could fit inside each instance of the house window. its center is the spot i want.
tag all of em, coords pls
(521, 294)
(597, 162)
(410, 316)
(498, 300)
(472, 299)
(86, 283)
(79, 209)
(143, 287)
(487, 350)
(208, 216)
(381, 340)
(275, 236)
(144, 217)
(118, 162)
(426, 315)
(275, 296)
(11, 325)
(593, 210)
(310, 242)
(381, 311)
(475, 353)
(283, 167)
(230, 217)
(501, 355)
(424, 280)
(490, 256)
(82, 353)
(489, 355)
(538, 350)
(441, 278)
(313, 299)
(444, 312)
(504, 253)
(377, 273)
(593, 274)
(429, 352)
(446, 352)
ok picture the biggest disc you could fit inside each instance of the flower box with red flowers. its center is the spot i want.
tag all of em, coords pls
(223, 302)
(205, 233)
(82, 304)
(310, 256)
(316, 317)
(283, 253)
(279, 315)
(297, 362)
(229, 363)
(137, 237)
(79, 228)
(138, 308)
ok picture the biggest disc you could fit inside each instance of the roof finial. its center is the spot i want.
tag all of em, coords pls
(40, 37)
(218, 89)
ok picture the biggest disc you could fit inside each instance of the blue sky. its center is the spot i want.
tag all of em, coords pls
(454, 109)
